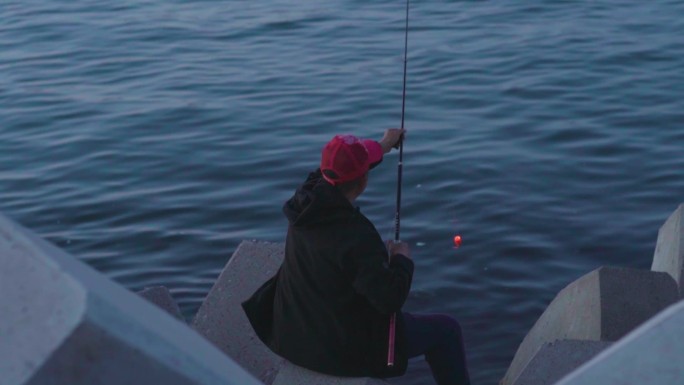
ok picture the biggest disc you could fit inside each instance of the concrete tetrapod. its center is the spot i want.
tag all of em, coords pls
(161, 296)
(603, 305)
(669, 252)
(651, 354)
(62, 322)
(556, 359)
(222, 320)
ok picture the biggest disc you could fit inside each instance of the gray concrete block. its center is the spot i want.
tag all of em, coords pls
(161, 296)
(603, 305)
(669, 252)
(220, 317)
(290, 374)
(651, 354)
(62, 322)
(556, 359)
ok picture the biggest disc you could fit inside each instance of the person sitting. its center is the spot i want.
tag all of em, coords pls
(328, 307)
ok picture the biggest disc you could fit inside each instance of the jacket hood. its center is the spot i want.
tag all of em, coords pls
(317, 202)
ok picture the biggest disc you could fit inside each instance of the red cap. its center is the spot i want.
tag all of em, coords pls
(349, 157)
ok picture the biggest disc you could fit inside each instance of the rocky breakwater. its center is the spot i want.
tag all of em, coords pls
(62, 322)
(596, 328)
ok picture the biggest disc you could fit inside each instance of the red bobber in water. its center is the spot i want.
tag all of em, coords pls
(457, 241)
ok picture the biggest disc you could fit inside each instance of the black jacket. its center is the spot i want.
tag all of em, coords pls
(328, 307)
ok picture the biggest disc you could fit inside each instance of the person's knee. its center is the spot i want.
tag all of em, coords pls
(449, 323)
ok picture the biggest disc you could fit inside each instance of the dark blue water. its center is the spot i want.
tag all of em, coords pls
(150, 137)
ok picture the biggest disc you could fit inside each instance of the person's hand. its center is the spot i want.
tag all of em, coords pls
(398, 248)
(391, 139)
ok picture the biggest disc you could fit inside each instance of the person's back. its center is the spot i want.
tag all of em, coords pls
(331, 317)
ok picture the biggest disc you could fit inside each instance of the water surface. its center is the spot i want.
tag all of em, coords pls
(149, 138)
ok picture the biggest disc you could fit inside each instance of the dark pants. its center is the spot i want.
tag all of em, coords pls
(439, 338)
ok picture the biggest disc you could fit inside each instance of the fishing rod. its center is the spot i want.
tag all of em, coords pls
(397, 216)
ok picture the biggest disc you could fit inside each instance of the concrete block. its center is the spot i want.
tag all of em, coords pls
(556, 359)
(651, 354)
(62, 322)
(290, 374)
(221, 319)
(161, 296)
(669, 252)
(603, 305)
